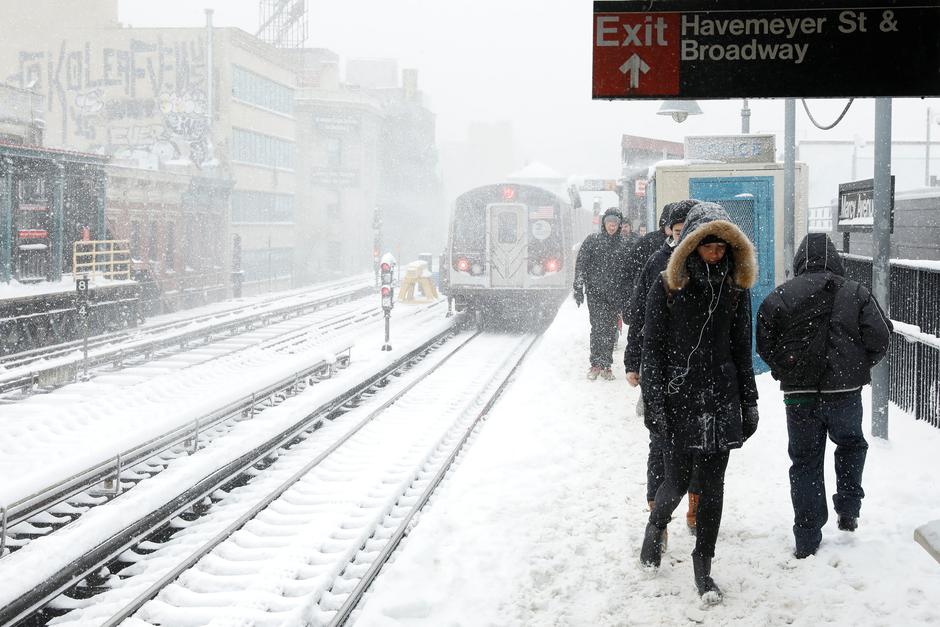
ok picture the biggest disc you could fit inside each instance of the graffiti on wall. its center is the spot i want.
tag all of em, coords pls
(144, 101)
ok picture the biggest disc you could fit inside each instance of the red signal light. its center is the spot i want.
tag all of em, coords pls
(386, 267)
(551, 265)
(386, 291)
(509, 193)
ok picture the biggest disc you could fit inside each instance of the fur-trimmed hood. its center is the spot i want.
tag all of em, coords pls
(704, 219)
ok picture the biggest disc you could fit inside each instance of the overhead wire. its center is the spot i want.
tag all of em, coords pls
(834, 124)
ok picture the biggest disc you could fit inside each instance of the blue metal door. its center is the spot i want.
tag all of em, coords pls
(749, 200)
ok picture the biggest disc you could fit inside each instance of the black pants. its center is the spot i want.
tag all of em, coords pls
(679, 464)
(656, 468)
(807, 426)
(603, 331)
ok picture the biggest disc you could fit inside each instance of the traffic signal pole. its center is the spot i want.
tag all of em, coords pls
(386, 268)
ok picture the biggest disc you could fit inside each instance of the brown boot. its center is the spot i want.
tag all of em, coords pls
(693, 509)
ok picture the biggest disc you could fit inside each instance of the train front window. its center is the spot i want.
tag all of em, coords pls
(507, 228)
(469, 228)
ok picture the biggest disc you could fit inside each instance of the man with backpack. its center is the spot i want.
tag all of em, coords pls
(821, 333)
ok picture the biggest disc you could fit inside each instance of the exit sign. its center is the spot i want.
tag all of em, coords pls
(765, 49)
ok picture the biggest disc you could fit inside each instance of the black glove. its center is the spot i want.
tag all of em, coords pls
(749, 419)
(655, 420)
(578, 296)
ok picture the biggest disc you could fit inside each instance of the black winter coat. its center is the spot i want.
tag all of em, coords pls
(859, 332)
(600, 268)
(696, 367)
(637, 304)
(641, 251)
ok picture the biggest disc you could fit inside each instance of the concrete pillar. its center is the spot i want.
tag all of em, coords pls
(101, 203)
(6, 222)
(56, 238)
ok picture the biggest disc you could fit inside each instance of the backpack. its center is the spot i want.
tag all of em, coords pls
(799, 358)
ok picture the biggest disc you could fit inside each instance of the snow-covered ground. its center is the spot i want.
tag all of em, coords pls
(541, 521)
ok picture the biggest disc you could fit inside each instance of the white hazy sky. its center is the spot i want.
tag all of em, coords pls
(528, 61)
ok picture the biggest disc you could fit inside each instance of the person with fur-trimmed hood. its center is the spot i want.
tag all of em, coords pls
(599, 272)
(698, 380)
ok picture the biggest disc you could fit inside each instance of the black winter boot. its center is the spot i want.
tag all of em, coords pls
(707, 588)
(652, 550)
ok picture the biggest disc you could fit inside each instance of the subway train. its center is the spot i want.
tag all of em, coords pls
(511, 251)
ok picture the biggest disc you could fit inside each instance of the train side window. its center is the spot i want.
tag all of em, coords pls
(507, 227)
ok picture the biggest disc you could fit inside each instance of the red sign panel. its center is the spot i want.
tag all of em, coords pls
(636, 54)
(33, 233)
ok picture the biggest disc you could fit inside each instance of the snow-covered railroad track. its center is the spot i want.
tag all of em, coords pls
(53, 366)
(332, 508)
(41, 512)
(100, 534)
(283, 359)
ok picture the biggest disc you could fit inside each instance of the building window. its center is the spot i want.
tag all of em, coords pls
(260, 91)
(170, 246)
(135, 240)
(334, 211)
(251, 206)
(334, 151)
(152, 243)
(260, 149)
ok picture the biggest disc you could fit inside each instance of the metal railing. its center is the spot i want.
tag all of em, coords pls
(109, 258)
(914, 354)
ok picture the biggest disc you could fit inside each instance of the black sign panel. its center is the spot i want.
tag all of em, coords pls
(857, 206)
(674, 49)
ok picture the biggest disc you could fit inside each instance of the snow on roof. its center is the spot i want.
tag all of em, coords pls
(536, 170)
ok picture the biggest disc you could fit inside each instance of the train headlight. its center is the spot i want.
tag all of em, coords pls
(476, 269)
(463, 264)
(551, 265)
(535, 269)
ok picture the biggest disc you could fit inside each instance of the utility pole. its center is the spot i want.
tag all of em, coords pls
(881, 235)
(745, 118)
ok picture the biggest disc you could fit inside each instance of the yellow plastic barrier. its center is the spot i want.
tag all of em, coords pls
(417, 276)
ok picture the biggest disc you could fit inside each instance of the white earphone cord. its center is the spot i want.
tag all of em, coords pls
(675, 384)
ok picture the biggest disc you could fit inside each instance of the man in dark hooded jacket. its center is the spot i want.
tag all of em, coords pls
(641, 250)
(854, 338)
(599, 273)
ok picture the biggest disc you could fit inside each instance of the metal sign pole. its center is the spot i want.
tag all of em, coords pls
(881, 236)
(82, 293)
(789, 186)
(388, 318)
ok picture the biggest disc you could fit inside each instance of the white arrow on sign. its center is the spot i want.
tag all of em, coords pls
(634, 66)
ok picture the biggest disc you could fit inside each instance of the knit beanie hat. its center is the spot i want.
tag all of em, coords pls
(680, 210)
(711, 238)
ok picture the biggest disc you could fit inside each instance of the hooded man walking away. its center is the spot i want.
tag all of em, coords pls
(600, 274)
(821, 333)
(698, 382)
